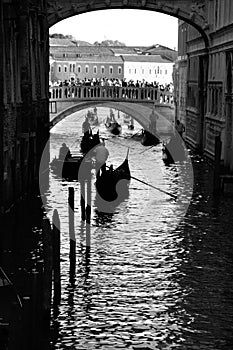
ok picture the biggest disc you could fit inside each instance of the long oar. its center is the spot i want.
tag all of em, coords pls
(147, 149)
(156, 188)
(135, 133)
(146, 183)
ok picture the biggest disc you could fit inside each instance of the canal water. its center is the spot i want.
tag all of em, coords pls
(159, 274)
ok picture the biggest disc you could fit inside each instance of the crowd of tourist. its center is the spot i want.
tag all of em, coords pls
(112, 82)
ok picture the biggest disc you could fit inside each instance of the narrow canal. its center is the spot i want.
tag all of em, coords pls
(160, 271)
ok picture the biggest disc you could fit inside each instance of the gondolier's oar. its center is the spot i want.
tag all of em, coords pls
(156, 188)
(136, 133)
(147, 149)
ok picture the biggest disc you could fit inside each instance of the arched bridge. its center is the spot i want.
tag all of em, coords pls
(67, 100)
(136, 102)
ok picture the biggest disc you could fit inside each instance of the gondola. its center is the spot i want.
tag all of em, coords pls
(112, 185)
(131, 124)
(166, 155)
(89, 141)
(93, 117)
(114, 127)
(68, 168)
(173, 151)
(148, 139)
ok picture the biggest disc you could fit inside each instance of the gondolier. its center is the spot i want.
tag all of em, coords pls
(86, 127)
(101, 155)
(64, 152)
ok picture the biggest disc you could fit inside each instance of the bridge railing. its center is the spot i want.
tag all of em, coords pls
(148, 94)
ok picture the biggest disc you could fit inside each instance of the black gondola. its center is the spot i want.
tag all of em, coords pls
(68, 168)
(112, 125)
(173, 151)
(89, 141)
(166, 155)
(112, 185)
(148, 139)
(93, 117)
(114, 128)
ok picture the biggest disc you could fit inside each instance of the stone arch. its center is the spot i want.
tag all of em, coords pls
(139, 112)
(194, 12)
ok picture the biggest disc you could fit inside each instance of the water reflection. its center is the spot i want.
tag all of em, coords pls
(153, 277)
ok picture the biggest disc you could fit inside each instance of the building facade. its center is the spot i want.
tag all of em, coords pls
(86, 67)
(149, 68)
(70, 61)
(203, 88)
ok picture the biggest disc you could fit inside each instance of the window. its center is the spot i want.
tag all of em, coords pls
(64, 54)
(142, 71)
(110, 70)
(59, 69)
(135, 71)
(86, 69)
(65, 69)
(150, 71)
(119, 70)
(129, 71)
(73, 67)
(95, 70)
(70, 67)
(165, 71)
(158, 69)
(102, 69)
(79, 69)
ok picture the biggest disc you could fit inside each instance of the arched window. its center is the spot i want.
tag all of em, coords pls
(73, 68)
(95, 70)
(119, 70)
(86, 69)
(79, 69)
(102, 69)
(59, 69)
(110, 70)
(65, 69)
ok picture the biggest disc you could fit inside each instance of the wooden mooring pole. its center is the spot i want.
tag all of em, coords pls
(48, 268)
(71, 231)
(217, 164)
(88, 212)
(82, 199)
(56, 258)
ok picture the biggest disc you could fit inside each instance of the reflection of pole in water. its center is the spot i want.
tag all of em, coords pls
(82, 198)
(56, 258)
(88, 211)
(85, 202)
(71, 231)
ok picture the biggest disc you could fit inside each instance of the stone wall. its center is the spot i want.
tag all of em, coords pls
(23, 96)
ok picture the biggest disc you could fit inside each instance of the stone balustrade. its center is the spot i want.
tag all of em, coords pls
(113, 93)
